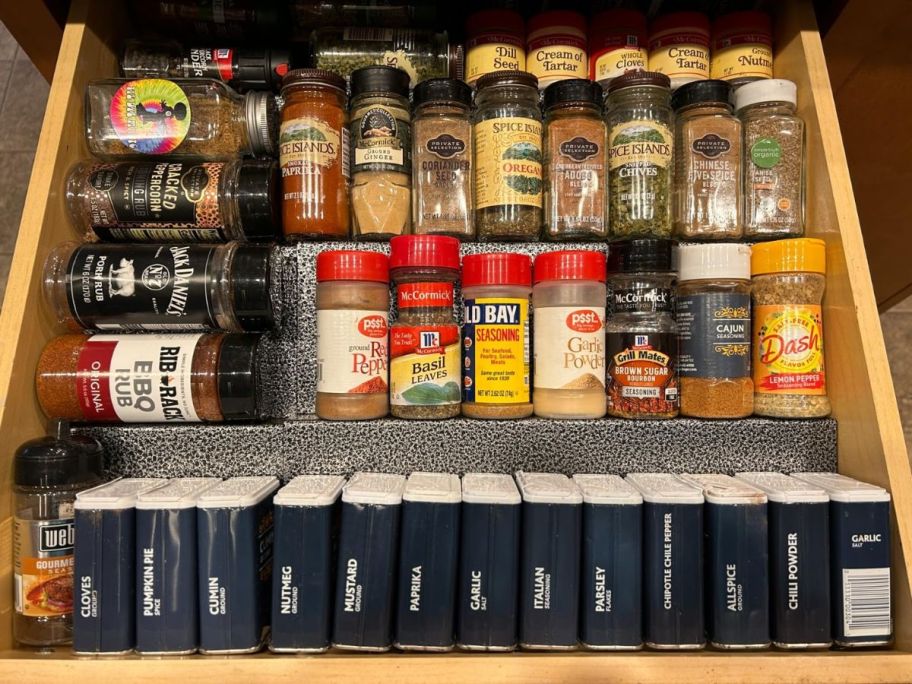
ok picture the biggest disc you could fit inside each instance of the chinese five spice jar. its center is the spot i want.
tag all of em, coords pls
(788, 365)
(352, 335)
(679, 47)
(425, 370)
(569, 341)
(742, 47)
(557, 47)
(314, 155)
(713, 312)
(496, 41)
(114, 287)
(495, 373)
(183, 118)
(174, 201)
(149, 378)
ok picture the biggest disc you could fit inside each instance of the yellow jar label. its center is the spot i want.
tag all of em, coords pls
(508, 162)
(554, 62)
(495, 365)
(752, 60)
(788, 350)
(618, 62)
(686, 59)
(489, 57)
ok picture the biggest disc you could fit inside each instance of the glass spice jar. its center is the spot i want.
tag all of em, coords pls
(575, 174)
(381, 139)
(640, 153)
(314, 155)
(352, 335)
(507, 132)
(707, 179)
(496, 41)
(713, 312)
(641, 334)
(617, 44)
(181, 118)
(425, 370)
(742, 47)
(556, 47)
(789, 278)
(774, 159)
(443, 197)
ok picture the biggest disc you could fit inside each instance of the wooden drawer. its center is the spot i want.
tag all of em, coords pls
(871, 444)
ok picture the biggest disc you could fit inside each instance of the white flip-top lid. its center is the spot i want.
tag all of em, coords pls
(374, 488)
(116, 495)
(548, 488)
(725, 489)
(310, 490)
(665, 488)
(238, 492)
(489, 488)
(433, 488)
(182, 492)
(607, 489)
(782, 488)
(843, 488)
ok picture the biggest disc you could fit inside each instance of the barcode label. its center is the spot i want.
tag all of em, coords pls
(368, 33)
(866, 602)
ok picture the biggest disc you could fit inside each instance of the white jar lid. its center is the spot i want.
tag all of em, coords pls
(719, 261)
(765, 90)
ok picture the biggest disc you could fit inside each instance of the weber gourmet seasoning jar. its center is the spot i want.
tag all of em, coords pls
(679, 47)
(617, 44)
(496, 41)
(557, 47)
(742, 47)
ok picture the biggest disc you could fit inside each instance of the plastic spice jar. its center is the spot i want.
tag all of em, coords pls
(495, 368)
(174, 201)
(617, 44)
(150, 378)
(352, 335)
(557, 47)
(425, 370)
(569, 334)
(788, 367)
(496, 41)
(642, 337)
(774, 159)
(162, 287)
(679, 47)
(713, 312)
(195, 118)
(314, 155)
(742, 47)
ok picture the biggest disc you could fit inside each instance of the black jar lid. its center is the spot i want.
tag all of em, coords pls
(237, 377)
(573, 90)
(322, 77)
(639, 78)
(380, 79)
(258, 199)
(506, 78)
(702, 92)
(251, 281)
(59, 459)
(640, 254)
(442, 90)
(261, 68)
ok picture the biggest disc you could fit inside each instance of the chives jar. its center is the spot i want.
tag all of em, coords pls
(496, 41)
(507, 132)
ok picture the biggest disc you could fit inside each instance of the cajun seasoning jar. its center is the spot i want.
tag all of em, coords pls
(314, 155)
(789, 277)
(642, 337)
(575, 173)
(508, 157)
(742, 47)
(557, 47)
(640, 151)
(496, 41)
(617, 44)
(425, 359)
(569, 303)
(149, 378)
(713, 312)
(679, 47)
(495, 369)
(181, 118)
(352, 335)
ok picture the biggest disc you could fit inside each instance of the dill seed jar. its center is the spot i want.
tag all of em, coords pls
(496, 41)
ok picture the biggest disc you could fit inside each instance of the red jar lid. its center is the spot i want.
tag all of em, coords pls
(428, 251)
(573, 264)
(352, 265)
(555, 18)
(691, 20)
(749, 21)
(493, 20)
(617, 22)
(497, 269)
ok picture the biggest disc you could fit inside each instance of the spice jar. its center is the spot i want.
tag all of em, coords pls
(774, 148)
(381, 135)
(788, 367)
(161, 287)
(642, 337)
(496, 41)
(174, 201)
(443, 191)
(495, 368)
(617, 44)
(557, 47)
(314, 155)
(352, 335)
(575, 174)
(149, 378)
(47, 474)
(742, 47)
(713, 313)
(679, 47)
(707, 183)
(424, 339)
(184, 118)
(508, 157)
(569, 333)
(639, 155)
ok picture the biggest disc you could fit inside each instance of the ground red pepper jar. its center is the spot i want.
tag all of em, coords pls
(617, 44)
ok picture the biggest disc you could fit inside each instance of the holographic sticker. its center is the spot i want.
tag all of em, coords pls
(151, 115)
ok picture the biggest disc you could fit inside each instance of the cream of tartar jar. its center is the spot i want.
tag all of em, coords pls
(556, 47)
(679, 47)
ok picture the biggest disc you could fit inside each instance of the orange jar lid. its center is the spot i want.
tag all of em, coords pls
(806, 255)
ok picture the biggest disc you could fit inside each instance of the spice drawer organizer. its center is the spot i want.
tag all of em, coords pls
(870, 446)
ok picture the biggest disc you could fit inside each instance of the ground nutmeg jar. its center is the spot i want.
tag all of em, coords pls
(742, 47)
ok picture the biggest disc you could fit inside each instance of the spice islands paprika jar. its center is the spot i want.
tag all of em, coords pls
(742, 47)
(557, 47)
(496, 41)
(679, 47)
(617, 44)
